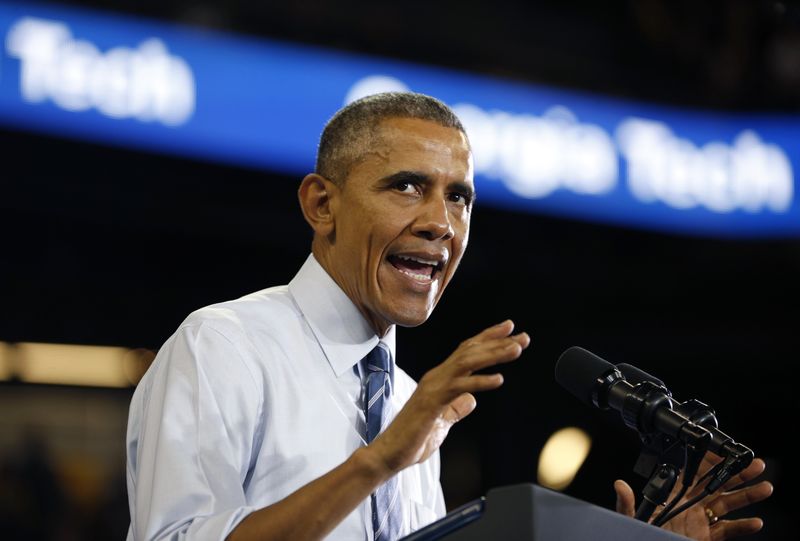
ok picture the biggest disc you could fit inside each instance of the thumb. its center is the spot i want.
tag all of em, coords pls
(626, 501)
(460, 407)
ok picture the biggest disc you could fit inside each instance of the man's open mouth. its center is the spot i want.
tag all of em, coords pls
(418, 268)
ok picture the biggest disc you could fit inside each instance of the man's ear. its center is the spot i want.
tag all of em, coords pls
(315, 195)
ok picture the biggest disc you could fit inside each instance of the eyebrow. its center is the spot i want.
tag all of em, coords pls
(421, 178)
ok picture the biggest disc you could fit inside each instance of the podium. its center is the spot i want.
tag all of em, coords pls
(531, 513)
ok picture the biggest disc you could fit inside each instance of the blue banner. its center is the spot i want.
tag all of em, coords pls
(197, 93)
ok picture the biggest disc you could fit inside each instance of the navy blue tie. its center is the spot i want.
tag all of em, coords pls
(386, 511)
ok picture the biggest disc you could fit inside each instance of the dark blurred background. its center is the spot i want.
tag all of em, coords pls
(114, 247)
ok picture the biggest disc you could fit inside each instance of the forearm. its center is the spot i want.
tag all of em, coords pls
(315, 509)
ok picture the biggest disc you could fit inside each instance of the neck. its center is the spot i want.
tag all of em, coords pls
(322, 255)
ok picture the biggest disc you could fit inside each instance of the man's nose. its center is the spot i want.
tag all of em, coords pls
(433, 222)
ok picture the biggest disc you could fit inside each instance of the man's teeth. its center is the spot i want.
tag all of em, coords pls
(422, 277)
(418, 260)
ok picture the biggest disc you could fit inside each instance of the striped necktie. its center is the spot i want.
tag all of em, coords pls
(386, 512)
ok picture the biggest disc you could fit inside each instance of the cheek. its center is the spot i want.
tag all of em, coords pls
(461, 238)
(457, 247)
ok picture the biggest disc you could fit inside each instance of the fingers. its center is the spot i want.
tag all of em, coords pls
(737, 499)
(462, 385)
(626, 500)
(492, 346)
(709, 461)
(483, 355)
(456, 376)
(734, 500)
(479, 383)
(500, 330)
(459, 408)
(727, 529)
(444, 396)
(752, 471)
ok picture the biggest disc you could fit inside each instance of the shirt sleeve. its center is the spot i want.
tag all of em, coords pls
(192, 436)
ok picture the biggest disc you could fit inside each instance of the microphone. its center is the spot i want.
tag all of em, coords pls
(636, 375)
(645, 407)
(648, 408)
(696, 411)
(721, 444)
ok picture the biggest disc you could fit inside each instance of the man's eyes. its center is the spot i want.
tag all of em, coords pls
(458, 197)
(403, 186)
(408, 187)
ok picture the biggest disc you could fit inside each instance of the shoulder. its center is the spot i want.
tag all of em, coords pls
(260, 321)
(230, 337)
(266, 329)
(252, 313)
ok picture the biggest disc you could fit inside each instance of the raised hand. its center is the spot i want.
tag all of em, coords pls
(444, 396)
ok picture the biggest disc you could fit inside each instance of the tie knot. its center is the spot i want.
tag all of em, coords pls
(378, 359)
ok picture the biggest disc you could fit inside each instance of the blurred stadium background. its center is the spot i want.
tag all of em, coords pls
(111, 236)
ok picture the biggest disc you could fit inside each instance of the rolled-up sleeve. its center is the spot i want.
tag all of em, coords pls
(192, 438)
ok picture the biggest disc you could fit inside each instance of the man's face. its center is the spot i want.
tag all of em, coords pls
(402, 221)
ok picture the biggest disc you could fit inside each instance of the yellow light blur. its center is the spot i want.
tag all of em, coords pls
(63, 364)
(562, 457)
(5, 362)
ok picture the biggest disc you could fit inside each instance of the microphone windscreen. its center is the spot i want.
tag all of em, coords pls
(578, 371)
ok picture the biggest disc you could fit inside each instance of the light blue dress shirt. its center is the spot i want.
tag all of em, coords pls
(250, 400)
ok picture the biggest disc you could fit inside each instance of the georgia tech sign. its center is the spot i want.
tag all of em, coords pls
(537, 155)
(534, 156)
(146, 82)
(164, 88)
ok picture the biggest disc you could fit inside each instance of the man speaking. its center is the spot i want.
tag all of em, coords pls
(283, 415)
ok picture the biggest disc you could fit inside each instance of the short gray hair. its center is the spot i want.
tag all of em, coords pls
(350, 132)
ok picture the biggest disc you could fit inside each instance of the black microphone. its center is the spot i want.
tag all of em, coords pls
(737, 456)
(645, 407)
(648, 408)
(636, 375)
(699, 413)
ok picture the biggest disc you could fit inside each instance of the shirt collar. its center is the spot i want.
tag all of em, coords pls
(342, 332)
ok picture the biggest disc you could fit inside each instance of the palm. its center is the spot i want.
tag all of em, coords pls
(692, 523)
(695, 522)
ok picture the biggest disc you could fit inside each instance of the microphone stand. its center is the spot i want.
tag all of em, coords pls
(687, 443)
(695, 450)
(736, 458)
(657, 491)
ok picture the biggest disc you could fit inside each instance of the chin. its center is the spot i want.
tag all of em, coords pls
(410, 318)
(409, 324)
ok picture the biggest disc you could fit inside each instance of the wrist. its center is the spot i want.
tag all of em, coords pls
(368, 461)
